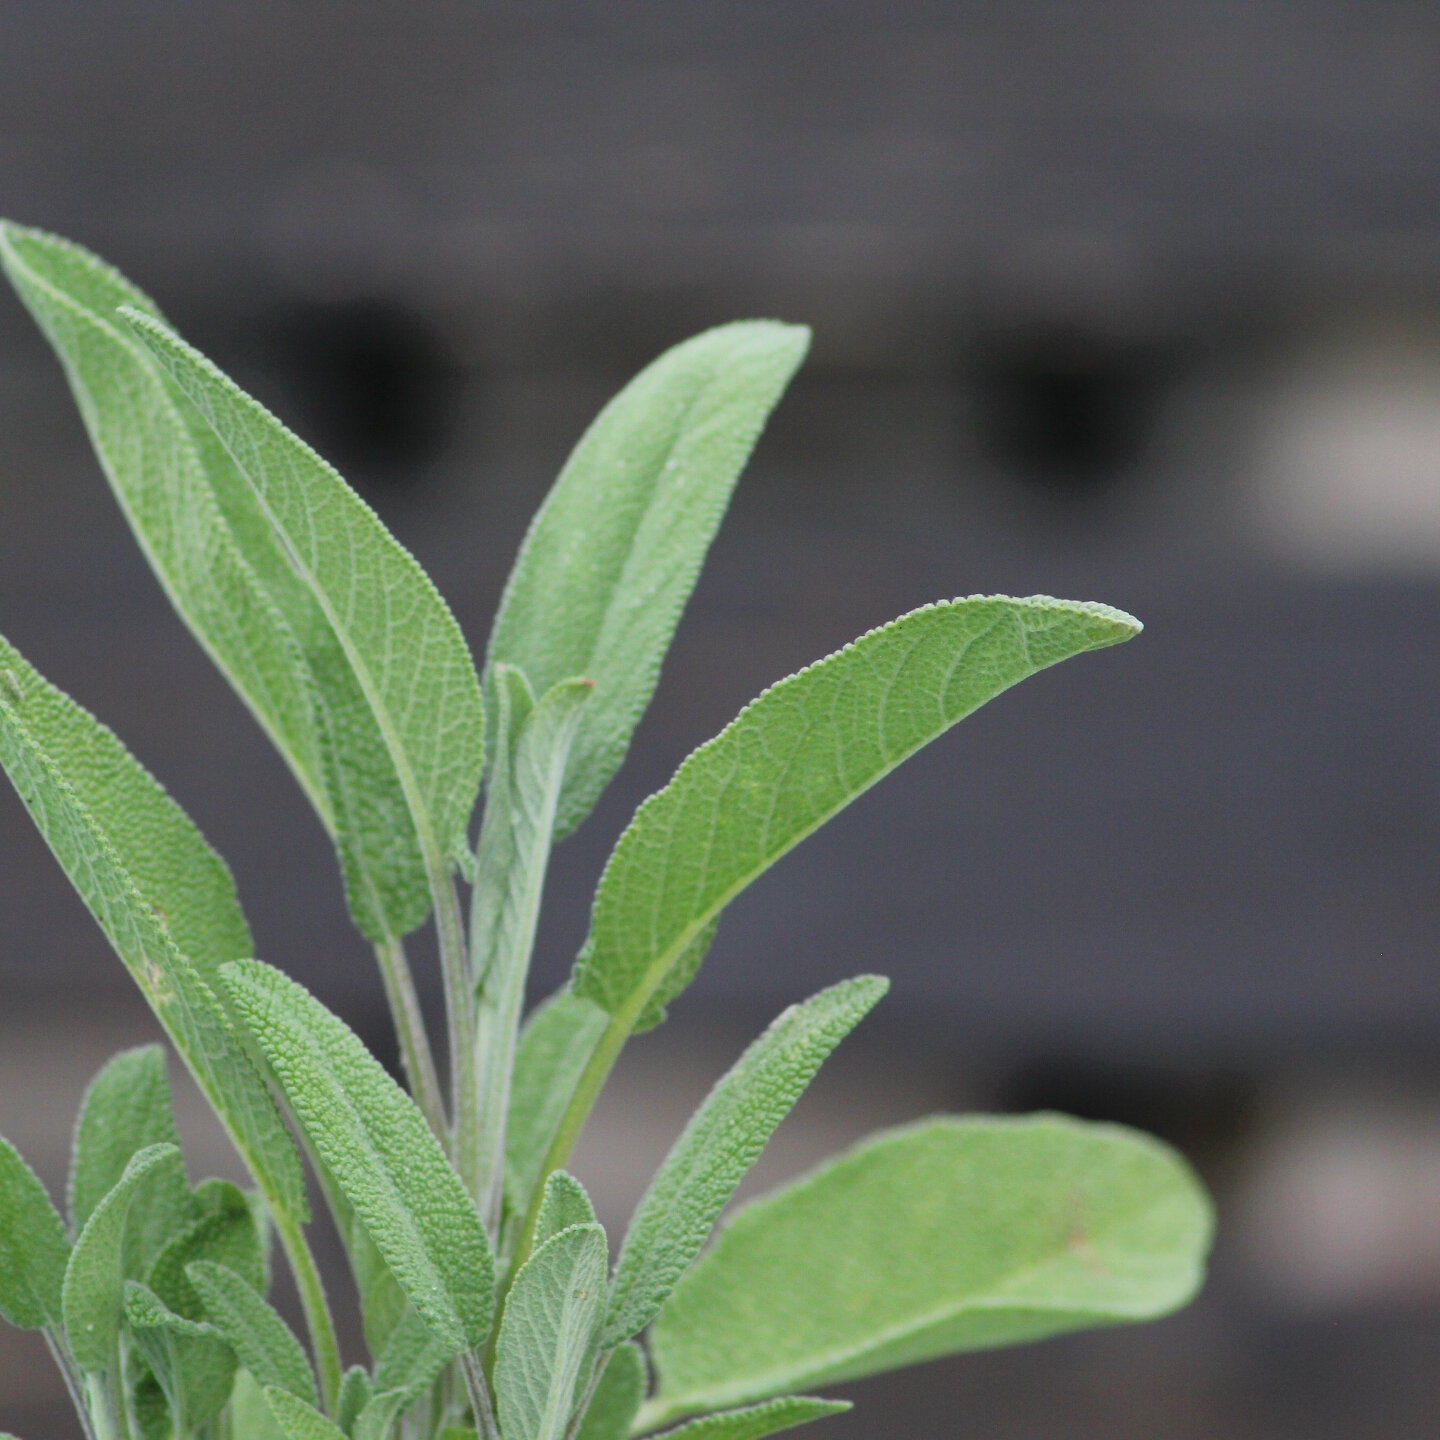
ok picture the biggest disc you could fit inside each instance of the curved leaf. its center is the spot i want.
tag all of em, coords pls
(34, 1248)
(613, 554)
(797, 755)
(757, 1420)
(261, 1340)
(954, 1234)
(379, 1150)
(617, 1398)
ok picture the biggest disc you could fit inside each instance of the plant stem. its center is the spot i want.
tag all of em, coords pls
(73, 1383)
(415, 1052)
(460, 1023)
(313, 1302)
(476, 1384)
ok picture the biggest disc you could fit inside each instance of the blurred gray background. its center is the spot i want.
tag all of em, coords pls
(1126, 302)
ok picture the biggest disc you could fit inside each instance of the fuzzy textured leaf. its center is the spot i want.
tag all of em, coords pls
(193, 1364)
(34, 1248)
(261, 1340)
(226, 1234)
(564, 1204)
(757, 1420)
(613, 554)
(381, 1153)
(299, 1420)
(182, 1000)
(722, 1141)
(93, 1296)
(554, 1045)
(398, 635)
(547, 1333)
(954, 1234)
(126, 1108)
(617, 1398)
(797, 755)
(250, 1414)
(356, 1392)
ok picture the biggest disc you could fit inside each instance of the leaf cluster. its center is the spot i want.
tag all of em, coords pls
(490, 1304)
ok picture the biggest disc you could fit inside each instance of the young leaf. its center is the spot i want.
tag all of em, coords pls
(793, 758)
(298, 1420)
(616, 1401)
(565, 1204)
(379, 1150)
(611, 558)
(554, 1045)
(510, 875)
(954, 1234)
(126, 1108)
(195, 1367)
(261, 1340)
(757, 1420)
(251, 1417)
(356, 1392)
(92, 853)
(93, 1298)
(721, 1142)
(397, 634)
(226, 1234)
(149, 442)
(34, 1248)
(547, 1333)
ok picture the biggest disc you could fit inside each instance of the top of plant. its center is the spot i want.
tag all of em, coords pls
(489, 1304)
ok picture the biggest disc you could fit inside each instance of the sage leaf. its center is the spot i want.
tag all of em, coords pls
(261, 1340)
(950, 1235)
(193, 1364)
(613, 554)
(757, 1420)
(400, 639)
(92, 853)
(299, 1420)
(722, 1141)
(356, 1392)
(510, 866)
(226, 1234)
(34, 1248)
(554, 1045)
(250, 1414)
(93, 1297)
(126, 1108)
(547, 1333)
(617, 1398)
(411, 1360)
(797, 755)
(564, 1204)
(155, 449)
(379, 1149)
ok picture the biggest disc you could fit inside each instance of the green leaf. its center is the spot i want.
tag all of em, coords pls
(195, 1367)
(510, 876)
(564, 1204)
(954, 1234)
(298, 1420)
(34, 1248)
(554, 1045)
(92, 1298)
(94, 859)
(251, 1417)
(412, 1359)
(261, 1340)
(616, 1401)
(226, 1235)
(165, 469)
(797, 755)
(613, 554)
(547, 1333)
(379, 1149)
(126, 1108)
(400, 640)
(356, 1392)
(721, 1142)
(757, 1420)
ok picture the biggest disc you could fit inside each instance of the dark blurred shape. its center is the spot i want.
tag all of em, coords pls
(1068, 410)
(373, 384)
(1206, 1115)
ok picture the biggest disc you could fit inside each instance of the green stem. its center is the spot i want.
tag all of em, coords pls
(74, 1384)
(460, 1022)
(313, 1302)
(415, 1053)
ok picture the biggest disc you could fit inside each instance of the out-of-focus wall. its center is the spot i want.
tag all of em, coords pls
(1138, 303)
